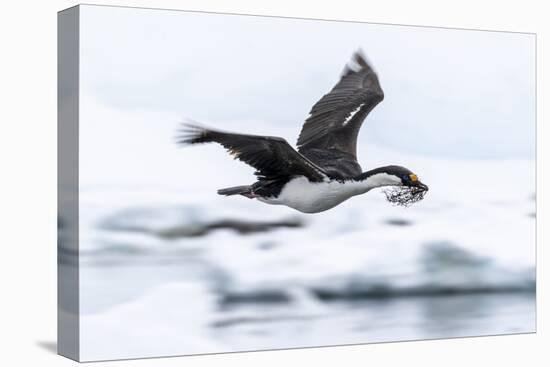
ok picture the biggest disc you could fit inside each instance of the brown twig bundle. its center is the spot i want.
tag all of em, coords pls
(404, 195)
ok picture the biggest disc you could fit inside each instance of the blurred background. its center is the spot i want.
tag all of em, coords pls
(168, 267)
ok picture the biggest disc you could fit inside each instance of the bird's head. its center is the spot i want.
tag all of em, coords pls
(405, 186)
(393, 176)
(409, 191)
(410, 179)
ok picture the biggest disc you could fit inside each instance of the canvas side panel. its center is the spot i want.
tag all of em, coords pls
(67, 184)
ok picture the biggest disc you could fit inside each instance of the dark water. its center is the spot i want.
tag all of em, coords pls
(382, 320)
(162, 282)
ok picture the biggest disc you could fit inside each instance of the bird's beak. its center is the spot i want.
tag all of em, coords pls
(421, 186)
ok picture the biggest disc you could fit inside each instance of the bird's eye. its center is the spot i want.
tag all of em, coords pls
(413, 177)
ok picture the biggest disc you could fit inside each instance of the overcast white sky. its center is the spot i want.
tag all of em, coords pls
(455, 93)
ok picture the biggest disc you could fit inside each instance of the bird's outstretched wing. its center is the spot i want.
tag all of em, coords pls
(335, 120)
(272, 157)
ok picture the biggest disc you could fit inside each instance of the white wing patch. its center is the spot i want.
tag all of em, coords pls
(353, 113)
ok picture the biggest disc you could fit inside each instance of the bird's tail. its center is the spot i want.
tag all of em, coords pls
(245, 190)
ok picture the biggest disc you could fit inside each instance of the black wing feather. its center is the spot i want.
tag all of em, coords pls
(272, 157)
(335, 120)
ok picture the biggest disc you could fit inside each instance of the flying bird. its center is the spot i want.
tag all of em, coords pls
(323, 171)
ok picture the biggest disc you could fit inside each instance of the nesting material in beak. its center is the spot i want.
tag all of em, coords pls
(406, 195)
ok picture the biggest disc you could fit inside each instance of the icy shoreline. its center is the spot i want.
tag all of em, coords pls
(213, 274)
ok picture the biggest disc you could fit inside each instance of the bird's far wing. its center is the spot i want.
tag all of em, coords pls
(272, 157)
(335, 120)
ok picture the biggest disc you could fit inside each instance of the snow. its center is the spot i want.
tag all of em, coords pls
(145, 295)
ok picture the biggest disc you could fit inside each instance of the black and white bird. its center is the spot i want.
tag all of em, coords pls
(323, 172)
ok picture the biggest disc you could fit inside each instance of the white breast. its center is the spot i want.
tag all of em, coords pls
(314, 197)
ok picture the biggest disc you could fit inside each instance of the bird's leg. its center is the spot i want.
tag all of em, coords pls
(249, 195)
